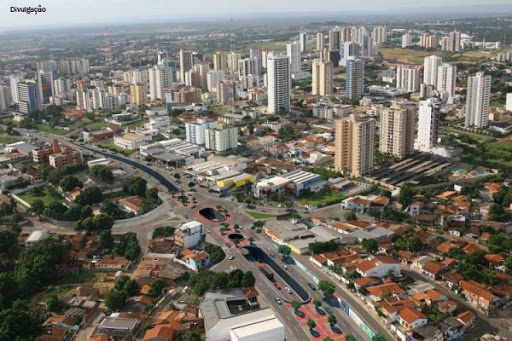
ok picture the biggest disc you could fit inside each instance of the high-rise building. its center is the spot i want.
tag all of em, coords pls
(454, 41)
(213, 78)
(303, 41)
(47, 66)
(61, 86)
(322, 77)
(220, 61)
(247, 66)
(194, 132)
(186, 63)
(406, 40)
(429, 41)
(354, 82)
(446, 79)
(428, 125)
(508, 104)
(396, 131)
(354, 145)
(221, 138)
(138, 93)
(226, 92)
(233, 59)
(45, 90)
(367, 49)
(279, 84)
(345, 34)
(3, 98)
(380, 34)
(477, 100)
(27, 97)
(334, 39)
(320, 42)
(256, 53)
(78, 66)
(349, 50)
(408, 77)
(160, 77)
(13, 81)
(430, 68)
(293, 53)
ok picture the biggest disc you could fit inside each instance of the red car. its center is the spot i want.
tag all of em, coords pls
(278, 287)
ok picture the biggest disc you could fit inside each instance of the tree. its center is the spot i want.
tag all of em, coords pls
(370, 245)
(259, 223)
(127, 285)
(408, 242)
(128, 246)
(296, 305)
(350, 337)
(102, 173)
(284, 250)
(103, 222)
(327, 287)
(89, 196)
(322, 247)
(110, 208)
(332, 320)
(19, 322)
(136, 186)
(9, 247)
(498, 213)
(317, 303)
(378, 337)
(70, 182)
(37, 207)
(350, 216)
(115, 300)
(406, 195)
(191, 336)
(177, 176)
(106, 240)
(251, 240)
(164, 232)
(311, 324)
(55, 209)
(152, 193)
(248, 279)
(156, 287)
(51, 304)
(191, 184)
(216, 253)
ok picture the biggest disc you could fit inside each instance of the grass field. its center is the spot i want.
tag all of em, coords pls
(261, 216)
(416, 56)
(323, 198)
(5, 138)
(112, 147)
(98, 125)
(47, 196)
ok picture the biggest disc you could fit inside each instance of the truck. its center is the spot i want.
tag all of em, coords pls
(266, 272)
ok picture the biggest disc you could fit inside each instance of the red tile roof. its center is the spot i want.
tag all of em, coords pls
(410, 315)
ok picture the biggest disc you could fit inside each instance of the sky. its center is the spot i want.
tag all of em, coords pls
(69, 12)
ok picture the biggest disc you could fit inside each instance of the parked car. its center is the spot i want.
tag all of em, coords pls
(278, 287)
(231, 257)
(288, 290)
(285, 267)
(278, 300)
(312, 286)
(228, 245)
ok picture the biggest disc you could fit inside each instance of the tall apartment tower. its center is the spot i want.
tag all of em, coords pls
(408, 78)
(334, 39)
(322, 77)
(429, 41)
(454, 41)
(160, 78)
(396, 131)
(320, 42)
(220, 61)
(13, 81)
(256, 53)
(185, 64)
(293, 52)
(477, 100)
(430, 68)
(345, 34)
(27, 97)
(354, 82)
(3, 98)
(406, 40)
(446, 79)
(303, 41)
(508, 103)
(45, 89)
(354, 145)
(428, 125)
(138, 93)
(380, 34)
(279, 84)
(233, 59)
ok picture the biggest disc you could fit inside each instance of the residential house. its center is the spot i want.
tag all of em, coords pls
(131, 204)
(412, 318)
(378, 292)
(479, 296)
(379, 266)
(432, 269)
(196, 259)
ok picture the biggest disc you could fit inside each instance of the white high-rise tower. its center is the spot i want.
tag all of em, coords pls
(428, 125)
(446, 78)
(477, 100)
(430, 68)
(279, 84)
(293, 52)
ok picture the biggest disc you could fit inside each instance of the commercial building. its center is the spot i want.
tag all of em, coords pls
(430, 69)
(195, 131)
(234, 315)
(279, 84)
(446, 79)
(45, 90)
(408, 77)
(56, 155)
(139, 94)
(354, 83)
(396, 136)
(37, 236)
(291, 183)
(354, 145)
(98, 135)
(189, 234)
(477, 100)
(428, 125)
(221, 138)
(322, 77)
(131, 141)
(185, 64)
(27, 97)
(334, 39)
(118, 326)
(293, 53)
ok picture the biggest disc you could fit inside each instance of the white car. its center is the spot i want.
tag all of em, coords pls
(288, 290)
(231, 257)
